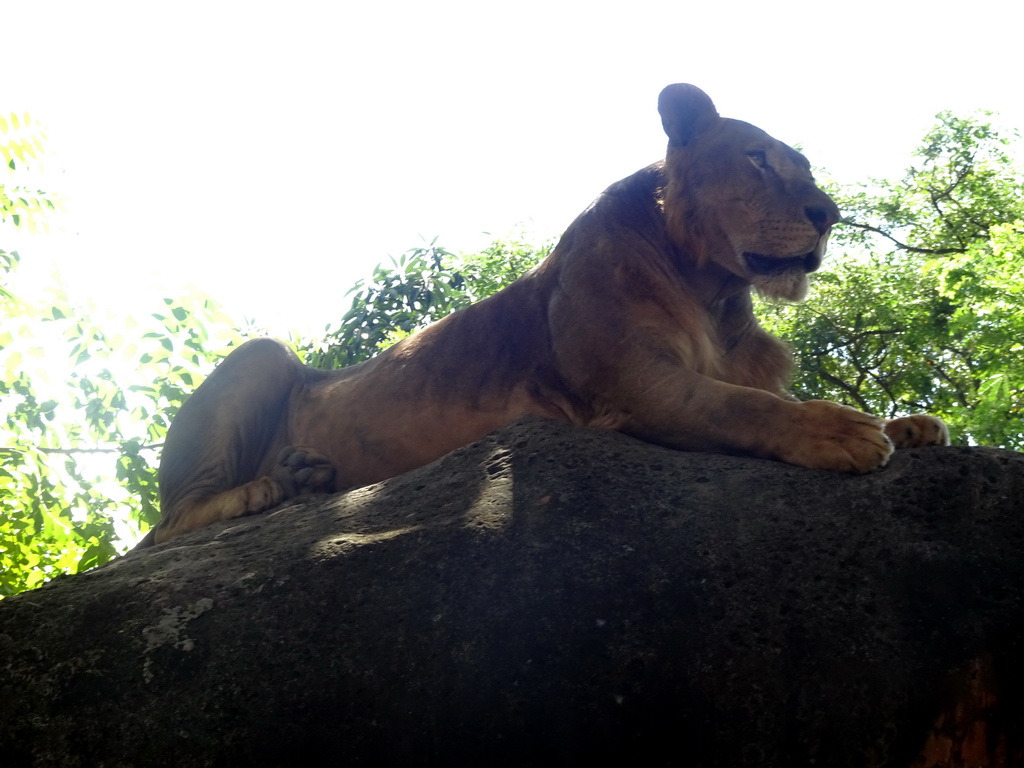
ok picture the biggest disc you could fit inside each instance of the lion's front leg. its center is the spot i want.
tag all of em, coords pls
(682, 409)
(833, 436)
(819, 434)
(917, 430)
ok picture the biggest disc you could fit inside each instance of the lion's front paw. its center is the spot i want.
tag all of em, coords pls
(300, 470)
(827, 435)
(917, 430)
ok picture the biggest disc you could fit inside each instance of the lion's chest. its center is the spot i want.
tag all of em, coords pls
(726, 343)
(752, 358)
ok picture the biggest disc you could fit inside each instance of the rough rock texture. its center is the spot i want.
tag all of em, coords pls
(552, 596)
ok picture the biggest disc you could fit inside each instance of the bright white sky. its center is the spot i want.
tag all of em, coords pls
(271, 153)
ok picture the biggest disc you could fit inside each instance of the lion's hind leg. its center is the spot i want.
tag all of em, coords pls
(916, 431)
(219, 457)
(202, 510)
(298, 470)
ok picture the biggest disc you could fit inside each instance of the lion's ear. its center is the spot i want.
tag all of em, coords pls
(686, 111)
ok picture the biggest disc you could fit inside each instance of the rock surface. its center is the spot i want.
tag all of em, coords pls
(552, 596)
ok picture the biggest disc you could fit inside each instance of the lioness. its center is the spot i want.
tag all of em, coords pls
(640, 321)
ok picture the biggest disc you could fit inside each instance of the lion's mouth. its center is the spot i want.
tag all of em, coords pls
(770, 265)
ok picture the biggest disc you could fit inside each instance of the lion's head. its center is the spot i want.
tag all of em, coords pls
(739, 199)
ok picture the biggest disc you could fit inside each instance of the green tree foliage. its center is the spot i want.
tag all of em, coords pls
(82, 409)
(21, 143)
(422, 285)
(80, 427)
(922, 310)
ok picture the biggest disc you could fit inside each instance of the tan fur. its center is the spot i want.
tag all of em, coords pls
(639, 321)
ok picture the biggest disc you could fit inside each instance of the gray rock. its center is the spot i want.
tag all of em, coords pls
(551, 596)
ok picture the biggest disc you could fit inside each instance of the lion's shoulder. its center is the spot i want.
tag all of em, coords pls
(626, 213)
(636, 198)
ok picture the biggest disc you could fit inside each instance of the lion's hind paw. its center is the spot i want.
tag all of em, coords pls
(300, 470)
(916, 431)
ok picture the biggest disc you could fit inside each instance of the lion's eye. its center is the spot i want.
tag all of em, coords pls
(758, 158)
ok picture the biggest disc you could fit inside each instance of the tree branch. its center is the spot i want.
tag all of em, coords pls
(901, 245)
(72, 451)
(958, 391)
(850, 390)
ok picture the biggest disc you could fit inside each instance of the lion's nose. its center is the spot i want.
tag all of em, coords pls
(821, 218)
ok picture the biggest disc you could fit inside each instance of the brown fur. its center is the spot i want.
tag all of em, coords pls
(640, 321)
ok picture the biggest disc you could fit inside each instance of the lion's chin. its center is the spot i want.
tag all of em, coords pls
(786, 285)
(781, 278)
